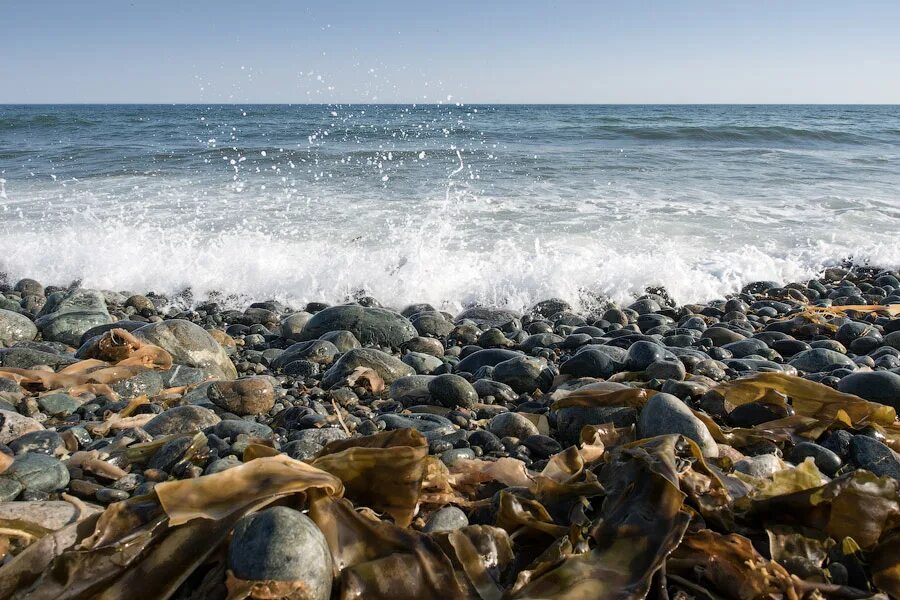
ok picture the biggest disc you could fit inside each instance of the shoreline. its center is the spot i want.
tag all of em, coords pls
(501, 451)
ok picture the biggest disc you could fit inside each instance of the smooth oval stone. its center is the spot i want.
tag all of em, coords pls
(817, 360)
(181, 419)
(756, 413)
(412, 389)
(431, 323)
(448, 518)
(489, 317)
(452, 391)
(455, 455)
(746, 347)
(423, 364)
(571, 420)
(666, 369)
(44, 441)
(541, 446)
(523, 374)
(369, 325)
(282, 544)
(872, 455)
(292, 325)
(877, 386)
(344, 341)
(721, 336)
(431, 426)
(147, 383)
(512, 424)
(665, 414)
(231, 428)
(59, 405)
(38, 473)
(482, 358)
(642, 354)
(589, 363)
(826, 461)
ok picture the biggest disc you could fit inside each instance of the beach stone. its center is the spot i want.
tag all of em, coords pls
(99, 330)
(448, 518)
(411, 390)
(169, 453)
(877, 386)
(523, 374)
(282, 544)
(250, 396)
(455, 455)
(666, 369)
(589, 363)
(488, 317)
(893, 340)
(499, 391)
(423, 364)
(190, 345)
(369, 325)
(38, 473)
(541, 446)
(231, 428)
(293, 324)
(826, 461)
(67, 315)
(321, 352)
(755, 413)
(571, 420)
(180, 375)
(425, 345)
(452, 391)
(642, 354)
(747, 347)
(872, 455)
(146, 383)
(9, 489)
(431, 324)
(762, 465)
(388, 367)
(21, 357)
(45, 441)
(485, 358)
(665, 414)
(13, 425)
(15, 327)
(541, 340)
(181, 419)
(431, 426)
(817, 360)
(512, 424)
(304, 450)
(721, 336)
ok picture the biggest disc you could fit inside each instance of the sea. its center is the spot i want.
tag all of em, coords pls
(449, 204)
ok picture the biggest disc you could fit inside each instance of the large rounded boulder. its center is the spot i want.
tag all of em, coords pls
(190, 345)
(67, 315)
(371, 326)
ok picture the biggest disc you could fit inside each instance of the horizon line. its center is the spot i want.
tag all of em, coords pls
(449, 104)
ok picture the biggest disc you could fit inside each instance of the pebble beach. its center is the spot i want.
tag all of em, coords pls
(743, 447)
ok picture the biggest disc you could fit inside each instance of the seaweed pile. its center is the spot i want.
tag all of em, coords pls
(746, 448)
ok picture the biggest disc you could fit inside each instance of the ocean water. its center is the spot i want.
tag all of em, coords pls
(445, 204)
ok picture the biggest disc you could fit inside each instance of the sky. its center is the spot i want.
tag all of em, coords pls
(424, 51)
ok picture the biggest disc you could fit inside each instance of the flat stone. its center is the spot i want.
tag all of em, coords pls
(38, 472)
(369, 325)
(181, 419)
(190, 345)
(665, 414)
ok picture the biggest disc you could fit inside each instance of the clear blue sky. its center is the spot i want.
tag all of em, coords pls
(823, 51)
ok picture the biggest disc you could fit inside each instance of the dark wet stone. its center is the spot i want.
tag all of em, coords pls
(321, 352)
(189, 344)
(541, 446)
(499, 391)
(523, 374)
(431, 426)
(249, 396)
(43, 442)
(817, 360)
(827, 461)
(666, 369)
(755, 413)
(169, 454)
(423, 364)
(489, 317)
(512, 424)
(722, 335)
(451, 457)
(452, 390)
(642, 354)
(370, 326)
(878, 386)
(665, 414)
(589, 363)
(231, 428)
(490, 357)
(282, 544)
(485, 440)
(21, 357)
(872, 455)
(9, 489)
(838, 442)
(181, 419)
(571, 420)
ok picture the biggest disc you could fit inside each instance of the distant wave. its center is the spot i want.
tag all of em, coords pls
(43, 121)
(754, 133)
